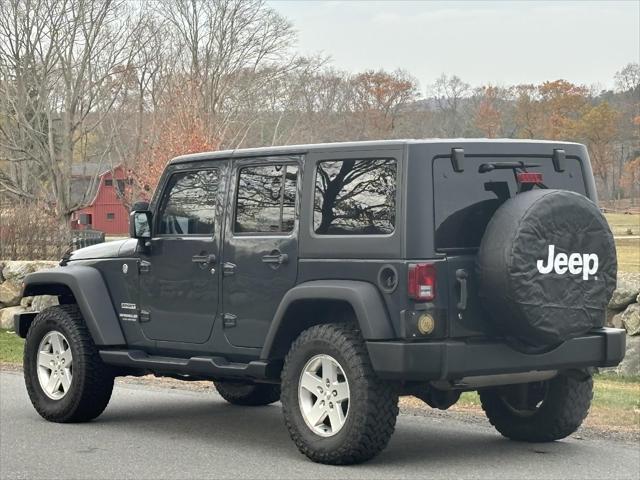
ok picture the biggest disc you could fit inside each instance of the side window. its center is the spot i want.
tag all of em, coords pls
(355, 197)
(266, 199)
(188, 205)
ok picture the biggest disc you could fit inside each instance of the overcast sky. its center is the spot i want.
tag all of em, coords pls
(502, 43)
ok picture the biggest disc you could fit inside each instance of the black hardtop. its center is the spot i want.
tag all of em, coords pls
(440, 143)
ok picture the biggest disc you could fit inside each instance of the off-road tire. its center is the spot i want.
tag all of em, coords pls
(248, 394)
(562, 411)
(92, 380)
(373, 403)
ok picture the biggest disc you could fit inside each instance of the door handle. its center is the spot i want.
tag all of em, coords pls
(276, 258)
(461, 276)
(203, 259)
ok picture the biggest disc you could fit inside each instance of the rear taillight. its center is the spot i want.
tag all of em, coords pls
(422, 281)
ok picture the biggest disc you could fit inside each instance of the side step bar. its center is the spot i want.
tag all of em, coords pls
(200, 367)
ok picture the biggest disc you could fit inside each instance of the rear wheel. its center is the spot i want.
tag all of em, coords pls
(65, 377)
(541, 411)
(336, 410)
(248, 394)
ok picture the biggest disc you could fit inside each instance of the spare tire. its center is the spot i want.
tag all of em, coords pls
(546, 268)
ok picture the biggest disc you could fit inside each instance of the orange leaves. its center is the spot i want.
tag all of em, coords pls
(488, 115)
(381, 90)
(179, 130)
(631, 175)
(598, 123)
(377, 97)
(549, 110)
(563, 102)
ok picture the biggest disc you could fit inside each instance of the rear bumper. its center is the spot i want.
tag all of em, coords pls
(454, 359)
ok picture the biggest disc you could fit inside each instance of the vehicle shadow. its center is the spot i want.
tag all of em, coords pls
(421, 441)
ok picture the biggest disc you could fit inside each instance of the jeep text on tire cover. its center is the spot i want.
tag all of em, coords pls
(336, 277)
(576, 264)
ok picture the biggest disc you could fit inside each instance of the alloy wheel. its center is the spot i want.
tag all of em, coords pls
(55, 365)
(323, 393)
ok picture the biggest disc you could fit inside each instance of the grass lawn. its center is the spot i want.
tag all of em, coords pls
(616, 403)
(10, 347)
(621, 222)
(628, 248)
(628, 254)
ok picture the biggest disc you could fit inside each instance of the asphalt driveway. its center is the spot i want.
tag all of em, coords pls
(151, 432)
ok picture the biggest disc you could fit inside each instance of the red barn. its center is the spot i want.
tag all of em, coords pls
(107, 211)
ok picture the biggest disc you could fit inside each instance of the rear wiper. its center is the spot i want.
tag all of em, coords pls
(488, 167)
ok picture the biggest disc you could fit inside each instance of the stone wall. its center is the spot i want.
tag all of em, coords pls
(623, 312)
(11, 275)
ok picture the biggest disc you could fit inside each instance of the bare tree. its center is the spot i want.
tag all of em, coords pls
(65, 65)
(449, 94)
(223, 44)
(628, 78)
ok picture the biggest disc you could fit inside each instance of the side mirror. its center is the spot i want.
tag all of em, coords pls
(140, 224)
(140, 205)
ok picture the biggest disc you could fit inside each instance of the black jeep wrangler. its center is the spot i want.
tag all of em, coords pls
(335, 278)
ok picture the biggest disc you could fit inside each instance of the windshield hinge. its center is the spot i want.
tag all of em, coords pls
(144, 316)
(229, 320)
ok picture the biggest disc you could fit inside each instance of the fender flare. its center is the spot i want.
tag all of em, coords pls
(91, 295)
(369, 307)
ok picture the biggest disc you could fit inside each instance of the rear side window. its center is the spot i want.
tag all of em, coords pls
(355, 197)
(188, 206)
(266, 199)
(465, 201)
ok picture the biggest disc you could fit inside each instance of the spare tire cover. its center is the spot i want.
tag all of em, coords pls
(546, 267)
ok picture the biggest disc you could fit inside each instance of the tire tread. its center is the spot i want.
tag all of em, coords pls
(374, 424)
(560, 415)
(96, 385)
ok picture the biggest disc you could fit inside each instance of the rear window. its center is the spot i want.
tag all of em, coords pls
(465, 201)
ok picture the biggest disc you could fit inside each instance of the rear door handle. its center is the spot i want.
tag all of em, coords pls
(276, 258)
(203, 259)
(462, 276)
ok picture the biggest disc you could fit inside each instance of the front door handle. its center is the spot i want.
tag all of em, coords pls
(276, 258)
(204, 259)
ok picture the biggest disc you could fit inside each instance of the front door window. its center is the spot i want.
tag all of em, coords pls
(188, 205)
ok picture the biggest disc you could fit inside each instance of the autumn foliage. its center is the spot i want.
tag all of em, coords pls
(631, 177)
(181, 131)
(378, 96)
(488, 116)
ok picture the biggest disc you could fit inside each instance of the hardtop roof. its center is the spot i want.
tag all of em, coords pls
(344, 146)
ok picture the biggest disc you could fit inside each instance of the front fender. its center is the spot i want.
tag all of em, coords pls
(364, 298)
(91, 295)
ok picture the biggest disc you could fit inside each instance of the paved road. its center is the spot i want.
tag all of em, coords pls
(160, 433)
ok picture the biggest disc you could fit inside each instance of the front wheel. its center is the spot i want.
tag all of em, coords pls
(65, 377)
(336, 410)
(540, 411)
